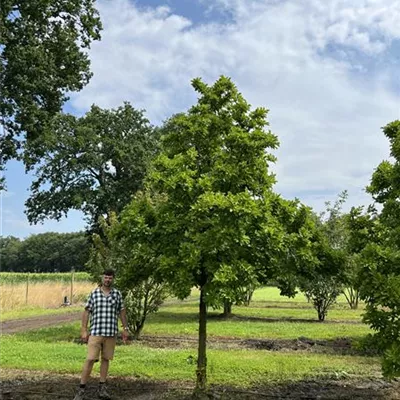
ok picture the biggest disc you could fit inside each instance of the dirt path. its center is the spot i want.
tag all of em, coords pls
(21, 325)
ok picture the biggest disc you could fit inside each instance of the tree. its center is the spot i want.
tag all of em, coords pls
(381, 273)
(42, 57)
(54, 252)
(337, 228)
(118, 248)
(362, 228)
(314, 260)
(9, 253)
(321, 284)
(94, 164)
(216, 223)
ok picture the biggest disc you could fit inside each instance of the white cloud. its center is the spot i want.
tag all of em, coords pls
(326, 112)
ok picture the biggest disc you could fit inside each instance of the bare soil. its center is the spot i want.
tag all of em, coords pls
(21, 325)
(26, 385)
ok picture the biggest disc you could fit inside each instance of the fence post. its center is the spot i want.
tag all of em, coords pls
(27, 289)
(72, 284)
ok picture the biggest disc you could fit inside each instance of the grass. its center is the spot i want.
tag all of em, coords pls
(269, 317)
(235, 367)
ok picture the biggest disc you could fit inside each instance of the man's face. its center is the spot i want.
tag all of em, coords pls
(107, 280)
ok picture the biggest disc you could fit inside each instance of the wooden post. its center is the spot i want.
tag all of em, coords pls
(72, 284)
(27, 289)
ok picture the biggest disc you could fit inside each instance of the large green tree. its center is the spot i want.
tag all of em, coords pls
(9, 253)
(94, 163)
(43, 56)
(381, 274)
(213, 219)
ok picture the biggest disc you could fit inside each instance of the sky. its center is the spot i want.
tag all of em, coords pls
(328, 71)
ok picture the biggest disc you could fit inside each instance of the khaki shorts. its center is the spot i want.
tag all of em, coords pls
(103, 344)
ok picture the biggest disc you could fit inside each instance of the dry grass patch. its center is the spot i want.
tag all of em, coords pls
(41, 294)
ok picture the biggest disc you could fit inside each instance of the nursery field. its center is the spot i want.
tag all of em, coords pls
(273, 349)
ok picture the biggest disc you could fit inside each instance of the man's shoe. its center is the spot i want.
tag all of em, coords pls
(103, 394)
(79, 394)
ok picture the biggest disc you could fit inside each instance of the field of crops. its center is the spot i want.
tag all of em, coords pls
(21, 277)
(43, 290)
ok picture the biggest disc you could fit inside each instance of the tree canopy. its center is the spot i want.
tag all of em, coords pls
(209, 217)
(94, 163)
(45, 252)
(381, 273)
(42, 57)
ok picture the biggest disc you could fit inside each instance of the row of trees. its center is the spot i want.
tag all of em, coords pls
(45, 252)
(190, 203)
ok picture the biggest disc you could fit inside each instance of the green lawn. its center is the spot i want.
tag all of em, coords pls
(234, 367)
(268, 317)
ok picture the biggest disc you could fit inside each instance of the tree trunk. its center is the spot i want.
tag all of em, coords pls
(201, 355)
(138, 330)
(321, 315)
(227, 309)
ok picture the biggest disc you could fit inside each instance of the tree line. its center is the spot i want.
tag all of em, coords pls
(45, 252)
(190, 203)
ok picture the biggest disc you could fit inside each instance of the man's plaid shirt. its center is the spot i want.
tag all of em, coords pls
(104, 311)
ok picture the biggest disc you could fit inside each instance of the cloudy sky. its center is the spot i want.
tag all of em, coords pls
(328, 71)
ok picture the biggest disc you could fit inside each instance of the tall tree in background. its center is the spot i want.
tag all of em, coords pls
(45, 252)
(381, 274)
(211, 212)
(94, 164)
(42, 57)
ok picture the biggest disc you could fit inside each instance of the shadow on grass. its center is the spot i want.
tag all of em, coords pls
(236, 317)
(176, 318)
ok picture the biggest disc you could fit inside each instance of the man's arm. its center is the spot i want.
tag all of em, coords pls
(124, 320)
(125, 329)
(84, 331)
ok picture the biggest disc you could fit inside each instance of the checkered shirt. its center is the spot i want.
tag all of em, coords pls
(104, 311)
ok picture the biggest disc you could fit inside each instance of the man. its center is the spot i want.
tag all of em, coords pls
(104, 305)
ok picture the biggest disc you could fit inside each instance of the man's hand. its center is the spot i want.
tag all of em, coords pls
(125, 335)
(84, 335)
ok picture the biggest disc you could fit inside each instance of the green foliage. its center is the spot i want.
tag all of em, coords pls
(317, 264)
(322, 292)
(9, 253)
(209, 218)
(94, 163)
(45, 252)
(134, 266)
(141, 300)
(380, 276)
(14, 278)
(42, 57)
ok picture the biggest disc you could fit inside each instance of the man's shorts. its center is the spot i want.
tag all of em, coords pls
(103, 344)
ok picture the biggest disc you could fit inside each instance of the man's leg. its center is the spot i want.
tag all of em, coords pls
(104, 369)
(86, 371)
(107, 354)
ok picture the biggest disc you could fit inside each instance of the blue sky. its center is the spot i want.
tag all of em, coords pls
(328, 70)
